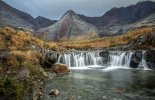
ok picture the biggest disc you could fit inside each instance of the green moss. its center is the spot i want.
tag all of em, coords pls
(36, 72)
(10, 87)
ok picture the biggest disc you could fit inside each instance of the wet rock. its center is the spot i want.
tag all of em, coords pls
(150, 55)
(151, 65)
(105, 56)
(54, 92)
(60, 68)
(50, 59)
(104, 97)
(135, 59)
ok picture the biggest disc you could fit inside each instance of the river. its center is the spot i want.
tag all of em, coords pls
(100, 76)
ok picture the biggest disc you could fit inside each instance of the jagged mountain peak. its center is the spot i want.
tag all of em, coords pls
(69, 15)
(69, 27)
(70, 12)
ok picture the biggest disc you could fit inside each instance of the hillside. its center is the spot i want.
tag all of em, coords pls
(142, 38)
(12, 39)
(22, 57)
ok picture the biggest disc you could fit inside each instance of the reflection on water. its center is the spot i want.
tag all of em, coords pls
(95, 84)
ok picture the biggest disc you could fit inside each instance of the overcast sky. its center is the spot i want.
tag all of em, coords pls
(54, 9)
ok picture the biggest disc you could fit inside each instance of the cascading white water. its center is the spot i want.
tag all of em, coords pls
(120, 58)
(80, 59)
(117, 59)
(143, 64)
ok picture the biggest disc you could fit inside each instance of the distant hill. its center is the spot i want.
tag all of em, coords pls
(69, 27)
(112, 21)
(10, 16)
(44, 22)
(123, 15)
(13, 17)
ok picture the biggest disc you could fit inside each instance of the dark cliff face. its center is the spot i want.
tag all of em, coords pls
(123, 15)
(44, 22)
(69, 27)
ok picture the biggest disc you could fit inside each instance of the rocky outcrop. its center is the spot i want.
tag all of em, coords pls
(69, 27)
(144, 57)
(60, 69)
(50, 59)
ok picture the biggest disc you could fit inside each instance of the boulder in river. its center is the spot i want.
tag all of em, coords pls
(136, 59)
(54, 92)
(60, 68)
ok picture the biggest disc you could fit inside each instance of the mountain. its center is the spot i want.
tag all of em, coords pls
(69, 27)
(112, 21)
(44, 22)
(13, 17)
(10, 16)
(123, 15)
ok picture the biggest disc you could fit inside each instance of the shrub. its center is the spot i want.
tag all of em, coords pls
(12, 88)
(36, 72)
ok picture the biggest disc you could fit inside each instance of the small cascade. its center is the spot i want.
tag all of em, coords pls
(143, 64)
(120, 58)
(110, 60)
(80, 59)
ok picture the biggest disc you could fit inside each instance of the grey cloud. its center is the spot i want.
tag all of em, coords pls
(54, 9)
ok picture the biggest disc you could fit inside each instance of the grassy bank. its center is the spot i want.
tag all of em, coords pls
(20, 63)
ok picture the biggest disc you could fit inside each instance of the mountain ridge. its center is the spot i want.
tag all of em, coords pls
(114, 22)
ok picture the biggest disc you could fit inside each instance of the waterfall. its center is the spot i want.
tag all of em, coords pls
(80, 59)
(143, 64)
(120, 58)
(111, 59)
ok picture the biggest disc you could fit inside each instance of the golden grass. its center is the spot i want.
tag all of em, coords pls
(19, 40)
(16, 58)
(100, 43)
